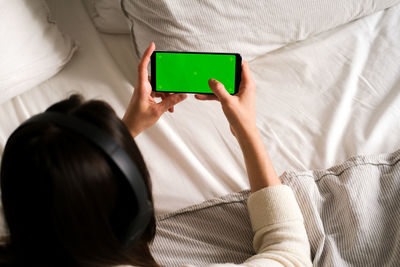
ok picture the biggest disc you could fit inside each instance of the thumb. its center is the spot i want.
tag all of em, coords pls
(218, 89)
(171, 101)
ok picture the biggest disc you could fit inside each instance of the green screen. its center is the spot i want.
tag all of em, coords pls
(186, 72)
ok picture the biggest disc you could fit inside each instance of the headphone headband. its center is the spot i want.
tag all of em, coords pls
(118, 156)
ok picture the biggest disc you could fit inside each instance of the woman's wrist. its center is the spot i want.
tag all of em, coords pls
(131, 126)
(258, 164)
(246, 133)
(249, 139)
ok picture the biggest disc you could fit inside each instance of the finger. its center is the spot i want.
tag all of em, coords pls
(143, 73)
(149, 78)
(171, 101)
(246, 75)
(171, 109)
(164, 95)
(218, 89)
(232, 130)
(206, 97)
(159, 94)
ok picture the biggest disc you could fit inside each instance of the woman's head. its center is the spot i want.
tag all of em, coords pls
(64, 203)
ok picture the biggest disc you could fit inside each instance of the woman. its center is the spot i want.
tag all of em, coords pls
(64, 202)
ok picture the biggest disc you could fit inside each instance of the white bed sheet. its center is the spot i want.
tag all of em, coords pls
(319, 102)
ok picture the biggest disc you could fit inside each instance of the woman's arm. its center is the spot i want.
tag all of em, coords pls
(280, 238)
(260, 171)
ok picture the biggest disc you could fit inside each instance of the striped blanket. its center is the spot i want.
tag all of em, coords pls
(351, 212)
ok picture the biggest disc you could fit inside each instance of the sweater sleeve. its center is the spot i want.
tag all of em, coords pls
(280, 238)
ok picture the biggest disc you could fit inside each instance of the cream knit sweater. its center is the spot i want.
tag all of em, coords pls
(280, 238)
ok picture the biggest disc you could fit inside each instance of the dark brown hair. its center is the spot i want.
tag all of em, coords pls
(63, 201)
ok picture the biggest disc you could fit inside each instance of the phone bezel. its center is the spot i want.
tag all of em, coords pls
(238, 70)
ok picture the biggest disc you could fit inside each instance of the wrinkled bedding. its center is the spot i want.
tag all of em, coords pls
(351, 215)
(319, 101)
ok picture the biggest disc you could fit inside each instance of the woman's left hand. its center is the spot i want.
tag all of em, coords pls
(143, 111)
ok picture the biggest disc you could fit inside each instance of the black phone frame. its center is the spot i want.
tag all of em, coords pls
(153, 62)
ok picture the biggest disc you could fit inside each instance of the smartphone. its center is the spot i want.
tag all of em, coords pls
(189, 72)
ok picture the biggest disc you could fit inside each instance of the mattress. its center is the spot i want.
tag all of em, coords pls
(319, 101)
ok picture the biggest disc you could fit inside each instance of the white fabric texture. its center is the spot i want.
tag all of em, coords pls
(350, 211)
(107, 16)
(251, 28)
(319, 101)
(32, 49)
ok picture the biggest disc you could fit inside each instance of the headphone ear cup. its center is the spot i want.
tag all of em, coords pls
(138, 226)
(124, 211)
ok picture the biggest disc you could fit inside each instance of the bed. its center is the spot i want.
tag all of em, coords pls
(319, 101)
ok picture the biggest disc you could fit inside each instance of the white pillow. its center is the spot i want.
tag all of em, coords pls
(32, 49)
(107, 16)
(251, 27)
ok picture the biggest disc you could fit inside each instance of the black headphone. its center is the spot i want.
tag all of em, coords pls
(115, 154)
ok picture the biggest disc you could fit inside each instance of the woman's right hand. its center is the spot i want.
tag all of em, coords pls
(239, 109)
